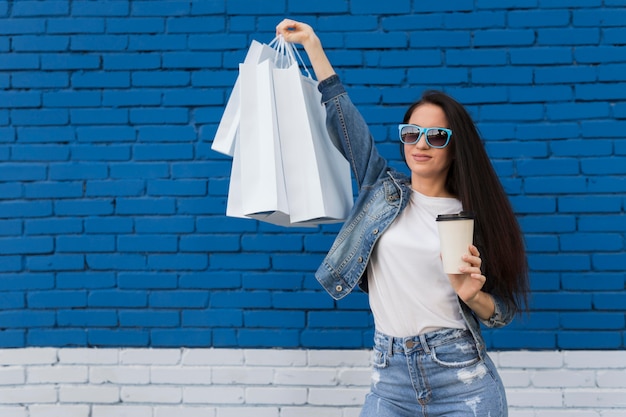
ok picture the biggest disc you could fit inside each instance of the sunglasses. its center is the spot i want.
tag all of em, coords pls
(436, 137)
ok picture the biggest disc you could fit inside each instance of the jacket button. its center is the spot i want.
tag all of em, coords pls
(375, 231)
(360, 260)
(338, 288)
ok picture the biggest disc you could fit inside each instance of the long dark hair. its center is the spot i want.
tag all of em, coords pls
(472, 179)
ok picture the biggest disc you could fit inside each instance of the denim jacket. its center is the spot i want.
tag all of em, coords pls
(383, 194)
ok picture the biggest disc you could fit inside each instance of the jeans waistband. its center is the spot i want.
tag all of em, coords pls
(423, 342)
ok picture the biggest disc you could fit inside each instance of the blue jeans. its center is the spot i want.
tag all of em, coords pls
(435, 374)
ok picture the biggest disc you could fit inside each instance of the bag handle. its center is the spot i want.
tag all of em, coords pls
(287, 52)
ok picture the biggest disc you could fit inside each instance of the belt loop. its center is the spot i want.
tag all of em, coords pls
(424, 343)
(390, 346)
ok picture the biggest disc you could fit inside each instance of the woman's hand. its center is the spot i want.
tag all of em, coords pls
(297, 32)
(301, 33)
(469, 283)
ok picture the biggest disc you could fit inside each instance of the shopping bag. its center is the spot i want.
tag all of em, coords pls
(224, 140)
(262, 182)
(317, 176)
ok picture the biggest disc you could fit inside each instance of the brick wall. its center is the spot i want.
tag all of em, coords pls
(112, 226)
(50, 382)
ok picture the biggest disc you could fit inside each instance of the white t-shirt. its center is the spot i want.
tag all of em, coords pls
(409, 293)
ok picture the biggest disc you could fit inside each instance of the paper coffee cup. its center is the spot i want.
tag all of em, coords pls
(456, 232)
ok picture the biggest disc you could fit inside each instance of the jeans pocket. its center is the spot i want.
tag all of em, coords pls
(456, 354)
(380, 359)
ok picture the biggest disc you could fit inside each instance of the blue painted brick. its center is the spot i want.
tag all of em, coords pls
(108, 225)
(52, 226)
(303, 299)
(19, 209)
(22, 172)
(505, 37)
(592, 320)
(26, 281)
(559, 262)
(583, 242)
(609, 261)
(14, 99)
(602, 223)
(163, 152)
(593, 281)
(84, 279)
(101, 8)
(10, 227)
(268, 338)
(507, 339)
(27, 318)
(57, 299)
(122, 262)
(179, 299)
(101, 116)
(209, 243)
(217, 224)
(101, 80)
(83, 207)
(85, 244)
(115, 188)
(128, 25)
(146, 280)
(565, 301)
(177, 338)
(56, 263)
(479, 57)
(160, 79)
(502, 75)
(160, 8)
(270, 319)
(215, 317)
(23, 26)
(599, 17)
(13, 339)
(545, 281)
(224, 280)
(36, 8)
(116, 298)
(39, 153)
(26, 245)
(439, 39)
(148, 225)
(555, 185)
(69, 62)
(45, 134)
(147, 318)
(241, 299)
(270, 281)
(114, 338)
(590, 204)
(179, 262)
(344, 339)
(10, 264)
(98, 42)
(159, 116)
(57, 337)
(12, 300)
(610, 301)
(157, 42)
(147, 244)
(127, 61)
(601, 340)
(71, 99)
(29, 79)
(604, 166)
(339, 319)
(523, 204)
(146, 206)
(76, 25)
(53, 190)
(141, 170)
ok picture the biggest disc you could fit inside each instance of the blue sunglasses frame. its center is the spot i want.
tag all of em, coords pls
(423, 131)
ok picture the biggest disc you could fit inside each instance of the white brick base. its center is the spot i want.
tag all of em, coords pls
(50, 382)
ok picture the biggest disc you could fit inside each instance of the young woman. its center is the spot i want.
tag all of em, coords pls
(429, 357)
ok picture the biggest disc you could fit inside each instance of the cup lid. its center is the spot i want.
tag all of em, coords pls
(464, 215)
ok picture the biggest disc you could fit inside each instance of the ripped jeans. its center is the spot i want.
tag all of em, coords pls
(435, 374)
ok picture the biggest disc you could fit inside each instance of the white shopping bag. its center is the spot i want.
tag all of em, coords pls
(317, 176)
(263, 193)
(224, 140)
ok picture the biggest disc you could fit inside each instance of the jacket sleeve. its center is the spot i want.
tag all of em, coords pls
(350, 134)
(503, 314)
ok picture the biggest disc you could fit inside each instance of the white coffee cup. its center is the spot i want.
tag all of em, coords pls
(456, 232)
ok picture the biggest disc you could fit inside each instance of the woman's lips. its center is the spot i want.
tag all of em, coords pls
(420, 157)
